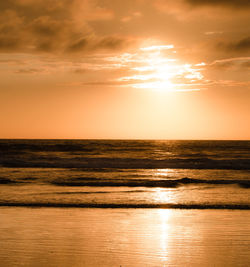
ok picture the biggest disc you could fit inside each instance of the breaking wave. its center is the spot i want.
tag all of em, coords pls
(147, 183)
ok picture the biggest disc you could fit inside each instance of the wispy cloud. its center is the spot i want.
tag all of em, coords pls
(213, 32)
(131, 17)
(232, 83)
(31, 71)
(238, 62)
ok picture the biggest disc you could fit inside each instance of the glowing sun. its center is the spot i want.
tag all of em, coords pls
(156, 69)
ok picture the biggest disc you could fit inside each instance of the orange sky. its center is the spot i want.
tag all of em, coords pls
(154, 69)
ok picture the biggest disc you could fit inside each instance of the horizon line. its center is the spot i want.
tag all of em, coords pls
(125, 139)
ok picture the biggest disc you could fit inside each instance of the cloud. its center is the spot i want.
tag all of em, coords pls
(213, 32)
(229, 63)
(94, 44)
(110, 42)
(131, 17)
(192, 10)
(58, 26)
(246, 64)
(242, 45)
(77, 46)
(31, 71)
(80, 70)
(239, 4)
(46, 26)
(10, 27)
(232, 83)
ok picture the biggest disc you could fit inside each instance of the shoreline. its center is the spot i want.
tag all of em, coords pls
(131, 206)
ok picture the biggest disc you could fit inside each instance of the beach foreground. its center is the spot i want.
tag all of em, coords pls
(123, 237)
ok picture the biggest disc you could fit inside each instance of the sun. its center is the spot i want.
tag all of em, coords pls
(156, 68)
(159, 70)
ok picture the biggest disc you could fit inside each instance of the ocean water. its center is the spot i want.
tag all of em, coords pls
(125, 174)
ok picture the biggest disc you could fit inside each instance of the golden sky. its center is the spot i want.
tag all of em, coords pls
(147, 69)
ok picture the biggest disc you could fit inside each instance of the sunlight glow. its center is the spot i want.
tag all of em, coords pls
(155, 69)
(157, 47)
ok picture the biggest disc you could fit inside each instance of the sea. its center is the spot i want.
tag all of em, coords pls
(125, 174)
(124, 203)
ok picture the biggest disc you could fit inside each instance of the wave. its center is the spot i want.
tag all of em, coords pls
(147, 183)
(126, 205)
(132, 182)
(122, 163)
(125, 182)
(92, 193)
(6, 181)
(125, 154)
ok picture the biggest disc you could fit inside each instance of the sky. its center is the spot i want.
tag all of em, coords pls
(134, 69)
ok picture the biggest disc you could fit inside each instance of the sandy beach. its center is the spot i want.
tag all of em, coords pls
(123, 237)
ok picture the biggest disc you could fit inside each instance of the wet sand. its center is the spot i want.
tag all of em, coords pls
(123, 237)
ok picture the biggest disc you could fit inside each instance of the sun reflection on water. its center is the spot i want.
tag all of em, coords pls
(164, 196)
(164, 232)
(164, 172)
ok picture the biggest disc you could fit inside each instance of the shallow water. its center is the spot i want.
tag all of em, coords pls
(177, 188)
(123, 237)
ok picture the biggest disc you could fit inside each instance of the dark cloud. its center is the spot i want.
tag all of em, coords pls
(9, 44)
(11, 26)
(242, 45)
(93, 44)
(110, 42)
(45, 26)
(53, 26)
(241, 4)
(78, 45)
